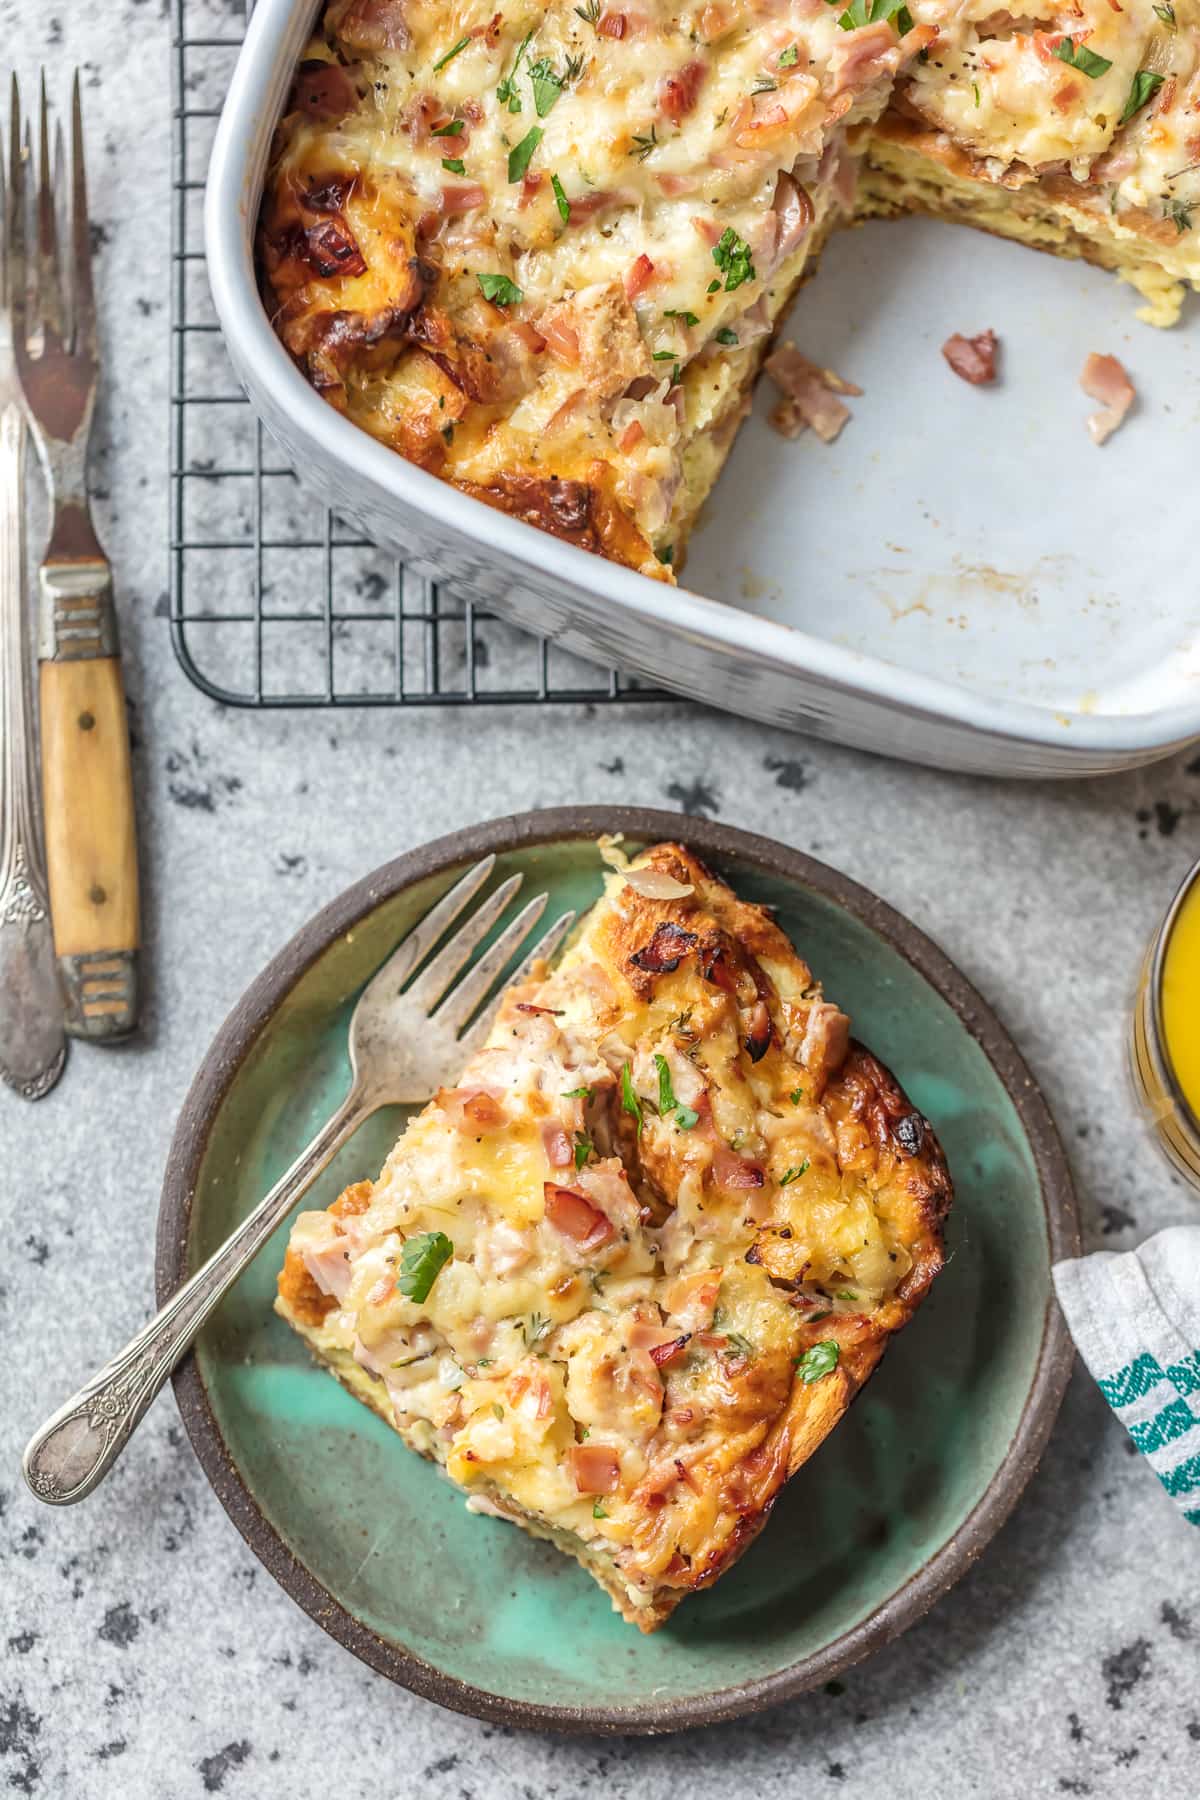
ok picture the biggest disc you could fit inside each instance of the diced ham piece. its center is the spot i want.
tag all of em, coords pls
(370, 24)
(612, 25)
(639, 277)
(323, 90)
(863, 56)
(794, 214)
(826, 1040)
(678, 93)
(665, 950)
(562, 340)
(466, 197)
(329, 248)
(329, 1266)
(471, 1108)
(1104, 379)
(595, 1468)
(662, 1354)
(733, 1171)
(502, 1250)
(558, 1145)
(810, 395)
(662, 1342)
(573, 1214)
(974, 358)
(758, 1032)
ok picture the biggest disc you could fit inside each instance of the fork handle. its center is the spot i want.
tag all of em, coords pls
(87, 798)
(78, 1445)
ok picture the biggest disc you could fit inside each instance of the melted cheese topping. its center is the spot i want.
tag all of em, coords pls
(659, 1187)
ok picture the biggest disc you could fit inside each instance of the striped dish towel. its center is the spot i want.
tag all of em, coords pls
(1135, 1318)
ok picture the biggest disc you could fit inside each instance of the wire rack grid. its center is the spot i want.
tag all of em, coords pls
(274, 600)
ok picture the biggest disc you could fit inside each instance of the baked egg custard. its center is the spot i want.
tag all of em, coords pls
(623, 1279)
(541, 250)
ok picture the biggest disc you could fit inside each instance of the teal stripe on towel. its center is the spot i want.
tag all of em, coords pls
(1185, 1376)
(1182, 1480)
(1132, 1382)
(1174, 1421)
(1193, 1517)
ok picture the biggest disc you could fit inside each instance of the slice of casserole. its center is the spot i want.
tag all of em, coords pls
(623, 1279)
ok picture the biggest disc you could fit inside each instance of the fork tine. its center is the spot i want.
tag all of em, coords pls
(411, 952)
(49, 270)
(544, 948)
(436, 977)
(84, 321)
(15, 234)
(461, 1001)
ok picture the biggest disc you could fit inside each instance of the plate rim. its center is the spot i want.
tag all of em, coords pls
(223, 1062)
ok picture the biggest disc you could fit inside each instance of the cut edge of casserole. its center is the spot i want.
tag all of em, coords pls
(673, 1215)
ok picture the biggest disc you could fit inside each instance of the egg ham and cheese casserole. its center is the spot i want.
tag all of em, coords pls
(623, 1279)
(540, 248)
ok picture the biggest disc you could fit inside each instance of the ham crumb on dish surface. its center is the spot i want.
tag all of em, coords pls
(1103, 378)
(809, 395)
(973, 358)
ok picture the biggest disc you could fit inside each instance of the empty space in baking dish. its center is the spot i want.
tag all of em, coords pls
(975, 534)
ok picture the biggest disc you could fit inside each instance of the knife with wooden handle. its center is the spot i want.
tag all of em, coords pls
(87, 791)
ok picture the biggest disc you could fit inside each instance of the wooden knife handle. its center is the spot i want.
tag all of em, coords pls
(87, 798)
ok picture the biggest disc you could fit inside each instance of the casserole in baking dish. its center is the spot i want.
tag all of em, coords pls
(624, 1278)
(950, 625)
(540, 251)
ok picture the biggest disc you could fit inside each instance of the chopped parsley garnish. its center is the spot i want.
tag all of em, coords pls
(676, 374)
(421, 1260)
(732, 256)
(663, 356)
(726, 335)
(796, 1096)
(452, 129)
(791, 1175)
(741, 1346)
(497, 1409)
(666, 554)
(975, 91)
(790, 57)
(521, 155)
(874, 12)
(685, 1118)
(765, 86)
(451, 54)
(506, 90)
(589, 13)
(579, 1093)
(1078, 56)
(1179, 212)
(847, 1294)
(499, 289)
(714, 287)
(583, 1149)
(673, 312)
(560, 200)
(598, 1511)
(1167, 15)
(1146, 84)
(646, 142)
(547, 86)
(535, 1328)
(455, 164)
(818, 1361)
(629, 1100)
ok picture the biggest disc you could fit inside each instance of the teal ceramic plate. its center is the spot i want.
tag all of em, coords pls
(380, 1550)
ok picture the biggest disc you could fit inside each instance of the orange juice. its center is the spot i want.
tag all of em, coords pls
(1166, 1031)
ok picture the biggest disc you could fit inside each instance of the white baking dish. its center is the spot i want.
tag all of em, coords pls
(964, 579)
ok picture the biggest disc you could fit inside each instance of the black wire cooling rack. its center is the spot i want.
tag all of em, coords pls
(274, 600)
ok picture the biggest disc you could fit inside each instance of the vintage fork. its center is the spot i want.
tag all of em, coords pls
(32, 1041)
(87, 790)
(407, 1038)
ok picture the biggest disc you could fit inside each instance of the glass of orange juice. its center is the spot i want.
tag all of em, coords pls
(1165, 1049)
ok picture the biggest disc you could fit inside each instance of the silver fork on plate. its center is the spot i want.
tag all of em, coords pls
(410, 1033)
(87, 788)
(32, 1039)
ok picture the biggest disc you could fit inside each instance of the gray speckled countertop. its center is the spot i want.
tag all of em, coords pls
(147, 1653)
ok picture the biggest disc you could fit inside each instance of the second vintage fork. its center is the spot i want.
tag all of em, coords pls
(407, 1038)
(87, 787)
